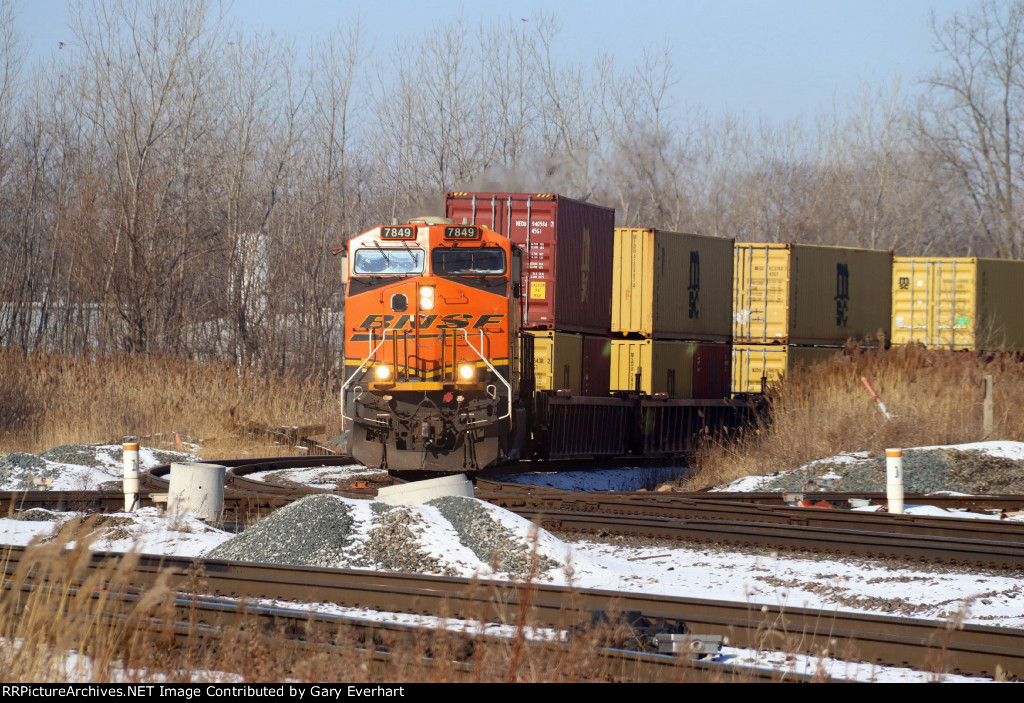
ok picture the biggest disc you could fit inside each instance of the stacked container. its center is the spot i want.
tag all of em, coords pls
(671, 315)
(676, 368)
(565, 296)
(757, 365)
(574, 362)
(958, 303)
(797, 304)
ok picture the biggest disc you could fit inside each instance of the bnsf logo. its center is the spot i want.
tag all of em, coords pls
(441, 322)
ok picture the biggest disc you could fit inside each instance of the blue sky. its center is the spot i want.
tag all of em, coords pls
(775, 58)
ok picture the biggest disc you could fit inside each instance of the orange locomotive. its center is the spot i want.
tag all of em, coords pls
(431, 330)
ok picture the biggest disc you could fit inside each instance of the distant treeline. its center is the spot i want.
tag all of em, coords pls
(171, 184)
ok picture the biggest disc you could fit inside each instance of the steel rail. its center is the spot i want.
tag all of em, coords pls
(777, 498)
(976, 650)
(820, 540)
(196, 617)
(662, 505)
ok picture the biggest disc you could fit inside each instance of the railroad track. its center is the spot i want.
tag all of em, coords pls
(195, 617)
(675, 516)
(926, 539)
(238, 482)
(670, 506)
(925, 549)
(949, 502)
(923, 644)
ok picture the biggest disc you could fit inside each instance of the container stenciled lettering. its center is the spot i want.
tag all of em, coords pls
(568, 244)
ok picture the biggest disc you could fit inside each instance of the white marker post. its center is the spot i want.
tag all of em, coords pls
(131, 477)
(894, 480)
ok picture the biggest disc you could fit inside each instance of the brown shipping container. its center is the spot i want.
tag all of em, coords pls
(958, 303)
(802, 294)
(712, 371)
(568, 244)
(773, 361)
(680, 369)
(597, 369)
(669, 285)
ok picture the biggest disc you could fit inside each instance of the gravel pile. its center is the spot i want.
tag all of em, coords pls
(491, 541)
(36, 515)
(392, 544)
(25, 471)
(75, 466)
(440, 538)
(160, 456)
(924, 471)
(79, 454)
(314, 531)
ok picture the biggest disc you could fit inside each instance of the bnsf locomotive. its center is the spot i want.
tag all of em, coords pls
(448, 343)
(431, 343)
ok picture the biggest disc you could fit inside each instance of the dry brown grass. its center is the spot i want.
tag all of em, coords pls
(47, 400)
(935, 398)
(61, 621)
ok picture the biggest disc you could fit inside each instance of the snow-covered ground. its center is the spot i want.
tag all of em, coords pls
(675, 570)
(940, 468)
(75, 467)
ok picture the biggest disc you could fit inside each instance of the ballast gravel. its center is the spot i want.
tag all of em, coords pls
(491, 541)
(78, 454)
(391, 544)
(314, 531)
(328, 530)
(75, 466)
(969, 471)
(23, 471)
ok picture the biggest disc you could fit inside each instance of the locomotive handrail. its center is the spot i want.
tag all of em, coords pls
(345, 385)
(384, 337)
(493, 370)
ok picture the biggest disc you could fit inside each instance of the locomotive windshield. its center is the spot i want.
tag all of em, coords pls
(388, 261)
(467, 261)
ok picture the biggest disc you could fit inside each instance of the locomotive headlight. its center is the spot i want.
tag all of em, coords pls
(466, 372)
(382, 372)
(427, 298)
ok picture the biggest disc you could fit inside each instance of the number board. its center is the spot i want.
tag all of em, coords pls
(461, 232)
(399, 232)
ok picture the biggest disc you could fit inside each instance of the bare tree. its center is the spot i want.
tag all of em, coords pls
(332, 188)
(973, 117)
(644, 161)
(144, 69)
(570, 133)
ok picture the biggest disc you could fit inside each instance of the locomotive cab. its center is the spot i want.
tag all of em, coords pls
(430, 346)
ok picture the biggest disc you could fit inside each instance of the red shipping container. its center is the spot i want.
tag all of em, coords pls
(556, 233)
(712, 371)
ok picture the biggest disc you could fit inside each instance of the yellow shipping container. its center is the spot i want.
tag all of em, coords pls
(802, 294)
(958, 303)
(558, 361)
(751, 362)
(664, 366)
(670, 285)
